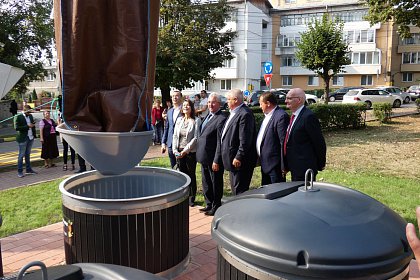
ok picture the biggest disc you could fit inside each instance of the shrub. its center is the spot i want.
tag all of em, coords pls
(340, 115)
(382, 111)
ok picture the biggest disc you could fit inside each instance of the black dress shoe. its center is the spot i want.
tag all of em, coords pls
(211, 212)
(80, 171)
(205, 209)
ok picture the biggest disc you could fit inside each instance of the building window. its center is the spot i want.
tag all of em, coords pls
(313, 81)
(414, 40)
(365, 58)
(50, 77)
(338, 81)
(407, 76)
(289, 1)
(366, 80)
(264, 25)
(227, 63)
(289, 61)
(411, 58)
(264, 46)
(226, 84)
(287, 80)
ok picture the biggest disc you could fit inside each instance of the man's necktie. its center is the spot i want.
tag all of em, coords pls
(287, 133)
(206, 121)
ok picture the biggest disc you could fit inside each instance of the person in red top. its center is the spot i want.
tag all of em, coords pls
(157, 122)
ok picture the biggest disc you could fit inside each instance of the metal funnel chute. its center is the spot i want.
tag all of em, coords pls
(111, 153)
(106, 54)
(9, 76)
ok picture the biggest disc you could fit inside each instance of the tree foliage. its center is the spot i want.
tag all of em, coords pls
(403, 13)
(26, 34)
(323, 50)
(190, 42)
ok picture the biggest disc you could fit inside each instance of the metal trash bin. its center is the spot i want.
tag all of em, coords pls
(325, 231)
(139, 219)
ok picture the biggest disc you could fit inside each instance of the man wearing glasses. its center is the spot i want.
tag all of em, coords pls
(238, 143)
(304, 144)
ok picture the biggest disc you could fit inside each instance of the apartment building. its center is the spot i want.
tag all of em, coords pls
(251, 48)
(378, 56)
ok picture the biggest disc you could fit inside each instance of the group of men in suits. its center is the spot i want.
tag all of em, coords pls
(232, 142)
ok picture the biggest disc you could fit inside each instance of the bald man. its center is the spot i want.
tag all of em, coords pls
(304, 144)
(238, 139)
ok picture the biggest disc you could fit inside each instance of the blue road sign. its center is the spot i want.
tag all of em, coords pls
(268, 67)
(246, 93)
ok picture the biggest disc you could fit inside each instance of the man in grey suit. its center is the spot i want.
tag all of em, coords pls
(238, 143)
(209, 156)
(270, 140)
(173, 114)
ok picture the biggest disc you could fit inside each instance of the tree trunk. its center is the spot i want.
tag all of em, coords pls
(166, 94)
(327, 89)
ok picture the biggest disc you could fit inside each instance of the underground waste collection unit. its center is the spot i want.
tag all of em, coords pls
(321, 231)
(139, 219)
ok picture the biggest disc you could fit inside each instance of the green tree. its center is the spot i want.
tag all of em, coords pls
(190, 43)
(403, 13)
(26, 37)
(34, 96)
(323, 50)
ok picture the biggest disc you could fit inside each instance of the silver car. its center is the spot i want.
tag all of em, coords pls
(397, 91)
(370, 96)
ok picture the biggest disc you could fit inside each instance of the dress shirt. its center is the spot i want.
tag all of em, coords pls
(296, 116)
(28, 122)
(267, 118)
(231, 115)
(177, 110)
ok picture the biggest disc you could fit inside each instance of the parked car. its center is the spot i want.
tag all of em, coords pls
(370, 96)
(414, 92)
(397, 91)
(339, 93)
(280, 94)
(223, 100)
(254, 99)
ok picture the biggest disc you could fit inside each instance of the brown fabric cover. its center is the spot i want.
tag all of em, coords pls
(102, 51)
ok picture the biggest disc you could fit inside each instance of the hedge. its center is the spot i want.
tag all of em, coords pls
(331, 116)
(382, 111)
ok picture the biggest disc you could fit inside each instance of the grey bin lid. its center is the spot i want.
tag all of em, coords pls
(335, 232)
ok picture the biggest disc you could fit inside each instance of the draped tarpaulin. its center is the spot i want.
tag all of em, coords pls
(106, 55)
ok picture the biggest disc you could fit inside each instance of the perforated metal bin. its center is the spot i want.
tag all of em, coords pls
(139, 219)
(325, 231)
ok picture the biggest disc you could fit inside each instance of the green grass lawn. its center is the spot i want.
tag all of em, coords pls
(39, 205)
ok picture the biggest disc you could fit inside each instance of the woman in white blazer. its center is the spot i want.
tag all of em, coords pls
(184, 144)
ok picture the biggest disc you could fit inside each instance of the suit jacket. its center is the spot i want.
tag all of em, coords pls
(239, 140)
(193, 130)
(271, 149)
(306, 146)
(209, 140)
(22, 127)
(168, 131)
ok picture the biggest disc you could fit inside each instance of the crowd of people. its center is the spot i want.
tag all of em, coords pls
(203, 133)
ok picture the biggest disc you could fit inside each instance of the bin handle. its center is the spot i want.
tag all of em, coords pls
(309, 185)
(31, 264)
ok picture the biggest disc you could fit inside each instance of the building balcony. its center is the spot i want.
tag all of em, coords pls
(410, 67)
(359, 69)
(225, 73)
(408, 48)
(284, 50)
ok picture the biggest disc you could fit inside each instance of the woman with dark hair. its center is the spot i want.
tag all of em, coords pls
(48, 137)
(184, 144)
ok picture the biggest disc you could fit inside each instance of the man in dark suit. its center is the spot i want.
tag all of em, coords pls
(210, 159)
(270, 140)
(173, 114)
(238, 143)
(304, 143)
(25, 126)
